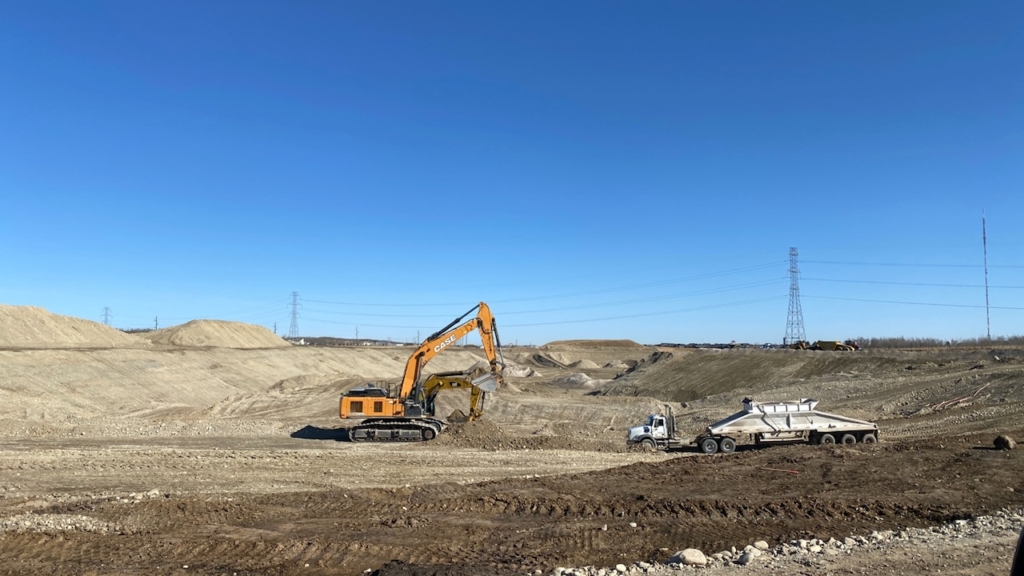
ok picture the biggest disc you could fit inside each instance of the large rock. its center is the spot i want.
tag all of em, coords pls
(689, 557)
(747, 557)
(1004, 442)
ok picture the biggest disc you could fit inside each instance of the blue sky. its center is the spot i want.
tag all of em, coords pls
(590, 169)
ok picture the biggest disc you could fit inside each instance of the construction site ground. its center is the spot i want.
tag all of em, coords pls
(169, 458)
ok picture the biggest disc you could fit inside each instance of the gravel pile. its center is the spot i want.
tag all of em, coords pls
(56, 523)
(798, 556)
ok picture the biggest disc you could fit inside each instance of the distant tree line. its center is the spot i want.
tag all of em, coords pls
(902, 342)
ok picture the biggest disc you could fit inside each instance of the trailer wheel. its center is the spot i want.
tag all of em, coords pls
(709, 446)
(648, 445)
(848, 439)
(869, 438)
(827, 439)
(727, 445)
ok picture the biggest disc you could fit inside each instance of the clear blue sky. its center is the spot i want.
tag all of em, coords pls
(590, 169)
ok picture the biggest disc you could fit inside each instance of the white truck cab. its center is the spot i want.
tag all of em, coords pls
(658, 431)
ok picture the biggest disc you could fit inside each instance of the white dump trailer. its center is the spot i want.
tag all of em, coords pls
(785, 421)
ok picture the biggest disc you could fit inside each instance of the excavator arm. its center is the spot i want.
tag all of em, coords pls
(426, 394)
(438, 341)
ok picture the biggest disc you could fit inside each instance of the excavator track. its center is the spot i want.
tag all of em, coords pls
(396, 430)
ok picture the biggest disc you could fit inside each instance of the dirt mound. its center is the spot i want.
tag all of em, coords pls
(517, 371)
(31, 327)
(486, 435)
(546, 361)
(593, 344)
(575, 380)
(217, 333)
(585, 364)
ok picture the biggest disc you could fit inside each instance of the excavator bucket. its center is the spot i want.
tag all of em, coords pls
(487, 383)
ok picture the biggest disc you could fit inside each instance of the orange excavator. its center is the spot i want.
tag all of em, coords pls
(408, 414)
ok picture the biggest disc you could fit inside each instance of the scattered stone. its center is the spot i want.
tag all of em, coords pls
(761, 545)
(815, 549)
(620, 568)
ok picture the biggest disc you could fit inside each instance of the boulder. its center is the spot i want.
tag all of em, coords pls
(689, 557)
(1004, 442)
(746, 558)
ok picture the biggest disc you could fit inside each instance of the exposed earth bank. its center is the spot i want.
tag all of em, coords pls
(222, 453)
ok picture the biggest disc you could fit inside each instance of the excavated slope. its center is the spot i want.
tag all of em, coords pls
(219, 333)
(52, 385)
(32, 327)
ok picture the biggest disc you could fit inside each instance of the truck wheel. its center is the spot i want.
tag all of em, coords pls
(648, 445)
(827, 439)
(727, 445)
(709, 446)
(869, 438)
(848, 439)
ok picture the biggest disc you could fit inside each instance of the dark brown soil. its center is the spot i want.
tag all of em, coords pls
(514, 525)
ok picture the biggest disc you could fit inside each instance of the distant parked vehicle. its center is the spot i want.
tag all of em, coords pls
(847, 346)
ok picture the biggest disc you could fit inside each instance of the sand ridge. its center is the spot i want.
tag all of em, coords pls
(32, 327)
(217, 333)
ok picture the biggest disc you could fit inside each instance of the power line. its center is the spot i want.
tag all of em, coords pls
(566, 294)
(897, 264)
(914, 303)
(927, 284)
(648, 314)
(708, 291)
(625, 316)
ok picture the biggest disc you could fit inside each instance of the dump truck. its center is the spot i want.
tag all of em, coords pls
(784, 422)
(763, 422)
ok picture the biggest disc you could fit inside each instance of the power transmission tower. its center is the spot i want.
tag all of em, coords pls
(156, 322)
(293, 330)
(106, 315)
(795, 320)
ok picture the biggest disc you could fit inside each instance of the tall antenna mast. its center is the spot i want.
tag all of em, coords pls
(795, 320)
(984, 248)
